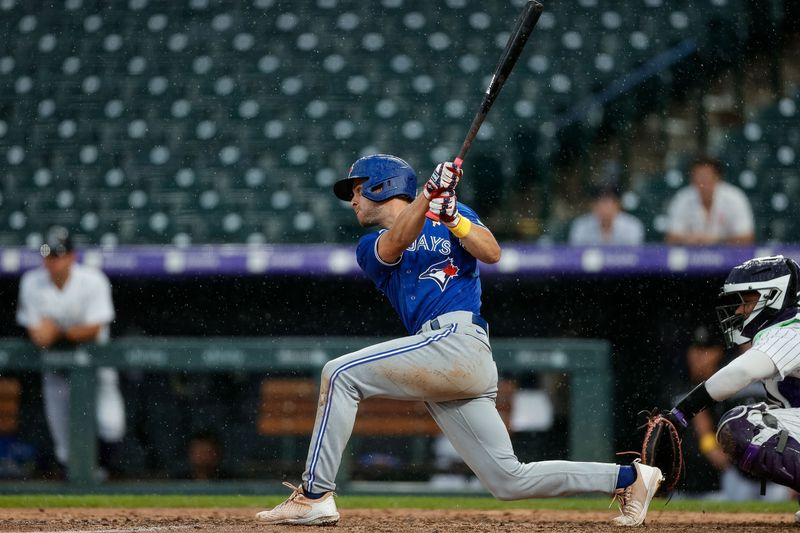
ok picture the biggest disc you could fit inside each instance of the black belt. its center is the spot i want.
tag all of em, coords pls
(476, 319)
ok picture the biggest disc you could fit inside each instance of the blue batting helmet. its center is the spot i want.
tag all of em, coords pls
(387, 176)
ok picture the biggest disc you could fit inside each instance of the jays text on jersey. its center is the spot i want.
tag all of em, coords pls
(434, 276)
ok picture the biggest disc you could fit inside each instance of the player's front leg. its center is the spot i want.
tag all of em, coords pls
(409, 368)
(344, 381)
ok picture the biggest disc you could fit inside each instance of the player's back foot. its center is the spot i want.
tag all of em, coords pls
(797, 518)
(635, 499)
(300, 510)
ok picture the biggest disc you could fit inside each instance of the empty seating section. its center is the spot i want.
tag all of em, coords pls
(144, 121)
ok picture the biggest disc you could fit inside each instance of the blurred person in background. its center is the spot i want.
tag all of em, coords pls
(204, 456)
(606, 223)
(64, 305)
(710, 210)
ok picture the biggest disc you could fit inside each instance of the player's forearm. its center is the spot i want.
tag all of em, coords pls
(741, 240)
(43, 337)
(405, 230)
(677, 238)
(82, 333)
(692, 239)
(703, 424)
(751, 366)
(482, 245)
(727, 381)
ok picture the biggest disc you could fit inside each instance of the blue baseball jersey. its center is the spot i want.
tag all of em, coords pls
(435, 274)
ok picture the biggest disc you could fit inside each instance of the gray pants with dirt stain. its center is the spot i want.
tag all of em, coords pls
(451, 369)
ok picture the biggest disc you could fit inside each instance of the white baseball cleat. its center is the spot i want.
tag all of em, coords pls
(299, 510)
(635, 499)
(797, 517)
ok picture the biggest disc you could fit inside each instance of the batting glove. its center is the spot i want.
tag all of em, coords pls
(444, 178)
(445, 207)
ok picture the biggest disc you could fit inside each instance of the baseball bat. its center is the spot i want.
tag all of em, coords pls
(523, 27)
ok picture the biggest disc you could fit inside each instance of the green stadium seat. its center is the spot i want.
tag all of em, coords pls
(649, 201)
(173, 99)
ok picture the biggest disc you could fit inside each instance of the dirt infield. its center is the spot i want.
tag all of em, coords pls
(77, 520)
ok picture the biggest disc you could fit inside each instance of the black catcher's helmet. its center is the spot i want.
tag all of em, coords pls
(775, 279)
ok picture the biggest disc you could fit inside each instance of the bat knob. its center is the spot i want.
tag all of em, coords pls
(457, 162)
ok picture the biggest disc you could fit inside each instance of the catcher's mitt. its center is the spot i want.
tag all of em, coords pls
(662, 448)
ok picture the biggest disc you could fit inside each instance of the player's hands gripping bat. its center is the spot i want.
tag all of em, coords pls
(523, 27)
(662, 447)
(445, 207)
(444, 178)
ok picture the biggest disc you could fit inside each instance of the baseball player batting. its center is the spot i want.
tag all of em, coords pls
(758, 312)
(429, 272)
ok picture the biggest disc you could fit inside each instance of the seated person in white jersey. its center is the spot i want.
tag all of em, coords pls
(606, 223)
(709, 211)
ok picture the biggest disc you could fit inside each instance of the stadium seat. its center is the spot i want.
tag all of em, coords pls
(649, 200)
(125, 97)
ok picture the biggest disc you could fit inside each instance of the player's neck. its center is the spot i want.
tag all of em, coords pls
(60, 280)
(391, 210)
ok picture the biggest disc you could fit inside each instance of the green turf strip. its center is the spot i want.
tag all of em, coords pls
(383, 502)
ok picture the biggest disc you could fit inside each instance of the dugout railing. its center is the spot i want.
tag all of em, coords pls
(586, 362)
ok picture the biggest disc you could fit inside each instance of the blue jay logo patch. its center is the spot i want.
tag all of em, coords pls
(441, 272)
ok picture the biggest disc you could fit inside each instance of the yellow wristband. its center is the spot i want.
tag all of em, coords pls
(461, 229)
(708, 442)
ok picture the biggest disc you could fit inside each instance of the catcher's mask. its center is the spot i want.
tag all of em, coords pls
(774, 279)
(386, 176)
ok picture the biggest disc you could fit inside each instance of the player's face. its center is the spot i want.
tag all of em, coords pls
(606, 208)
(365, 209)
(58, 265)
(705, 179)
(749, 300)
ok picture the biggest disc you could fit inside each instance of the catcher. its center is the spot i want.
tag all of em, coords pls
(759, 313)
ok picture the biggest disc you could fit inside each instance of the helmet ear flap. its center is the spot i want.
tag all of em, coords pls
(769, 299)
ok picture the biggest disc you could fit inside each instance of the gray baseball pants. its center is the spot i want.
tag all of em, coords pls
(451, 369)
(109, 404)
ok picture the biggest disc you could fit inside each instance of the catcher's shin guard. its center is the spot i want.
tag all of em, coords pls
(759, 446)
